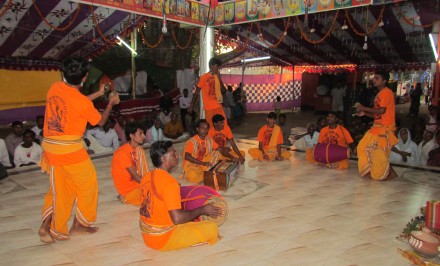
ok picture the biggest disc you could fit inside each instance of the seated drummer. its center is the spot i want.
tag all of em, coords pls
(201, 152)
(270, 139)
(334, 134)
(163, 223)
(221, 133)
(129, 164)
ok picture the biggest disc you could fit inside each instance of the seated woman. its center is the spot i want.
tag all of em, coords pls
(405, 151)
(428, 144)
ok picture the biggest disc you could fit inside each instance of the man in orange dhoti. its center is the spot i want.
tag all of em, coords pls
(129, 165)
(71, 172)
(221, 133)
(375, 147)
(334, 134)
(163, 223)
(212, 88)
(200, 153)
(270, 139)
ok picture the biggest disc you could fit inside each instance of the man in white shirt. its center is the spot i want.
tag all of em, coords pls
(28, 152)
(338, 94)
(165, 116)
(106, 136)
(184, 103)
(15, 138)
(38, 128)
(141, 83)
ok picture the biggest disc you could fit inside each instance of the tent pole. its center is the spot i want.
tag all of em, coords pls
(133, 64)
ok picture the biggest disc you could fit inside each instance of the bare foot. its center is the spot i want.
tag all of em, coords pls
(44, 231)
(391, 175)
(79, 229)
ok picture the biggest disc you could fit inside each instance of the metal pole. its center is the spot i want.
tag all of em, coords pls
(133, 36)
(206, 53)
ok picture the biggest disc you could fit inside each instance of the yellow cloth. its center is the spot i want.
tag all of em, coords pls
(256, 154)
(192, 233)
(218, 90)
(373, 152)
(142, 164)
(194, 172)
(235, 155)
(132, 197)
(59, 145)
(67, 184)
(274, 138)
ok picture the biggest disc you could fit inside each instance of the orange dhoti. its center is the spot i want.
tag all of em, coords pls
(194, 172)
(132, 197)
(256, 154)
(69, 183)
(373, 152)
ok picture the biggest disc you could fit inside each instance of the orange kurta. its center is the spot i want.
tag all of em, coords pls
(210, 98)
(160, 193)
(269, 138)
(123, 158)
(202, 150)
(72, 175)
(375, 147)
(221, 137)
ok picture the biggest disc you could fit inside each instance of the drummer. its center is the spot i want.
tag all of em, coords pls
(163, 223)
(335, 134)
(221, 133)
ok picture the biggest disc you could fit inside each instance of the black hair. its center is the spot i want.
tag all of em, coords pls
(272, 115)
(201, 121)
(282, 115)
(157, 150)
(131, 128)
(333, 113)
(17, 123)
(29, 131)
(384, 74)
(278, 98)
(217, 118)
(74, 70)
(214, 61)
(39, 116)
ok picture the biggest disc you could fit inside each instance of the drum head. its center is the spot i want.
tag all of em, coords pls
(221, 203)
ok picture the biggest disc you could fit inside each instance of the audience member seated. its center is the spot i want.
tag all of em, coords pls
(155, 133)
(220, 133)
(119, 128)
(4, 156)
(200, 153)
(270, 139)
(428, 144)
(14, 139)
(431, 119)
(321, 123)
(417, 130)
(405, 151)
(163, 223)
(174, 129)
(307, 140)
(334, 134)
(105, 136)
(165, 116)
(38, 129)
(284, 129)
(129, 165)
(434, 155)
(28, 152)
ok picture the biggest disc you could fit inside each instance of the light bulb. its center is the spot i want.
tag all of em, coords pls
(312, 30)
(365, 47)
(344, 27)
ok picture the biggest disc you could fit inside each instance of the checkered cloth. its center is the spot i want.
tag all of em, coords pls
(262, 93)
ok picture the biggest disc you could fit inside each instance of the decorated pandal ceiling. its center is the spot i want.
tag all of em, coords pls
(293, 32)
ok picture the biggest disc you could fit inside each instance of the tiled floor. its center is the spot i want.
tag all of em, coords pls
(280, 213)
